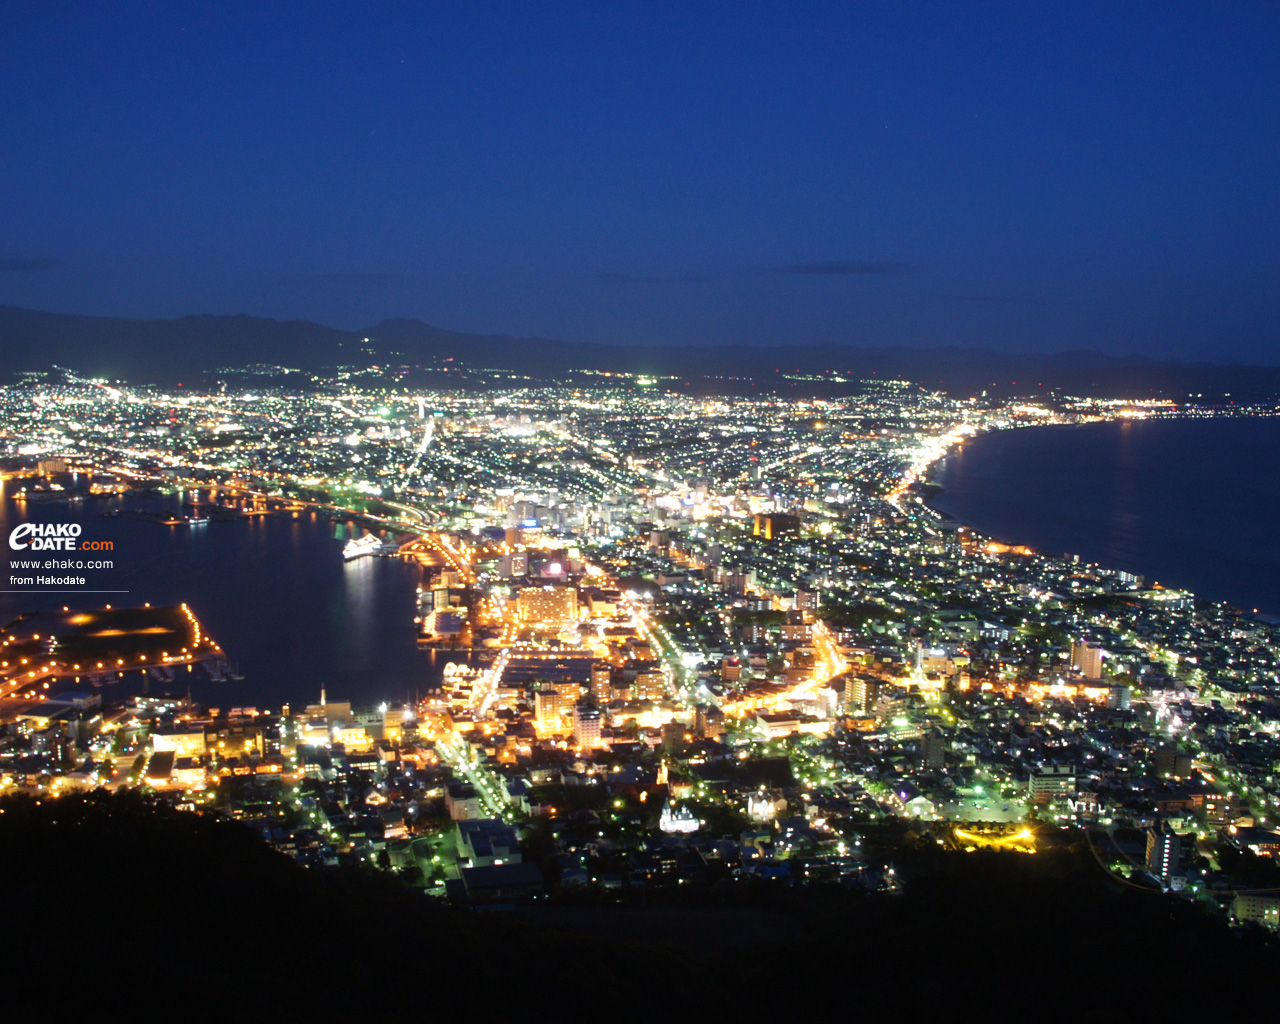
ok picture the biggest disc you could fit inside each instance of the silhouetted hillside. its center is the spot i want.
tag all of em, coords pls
(193, 348)
(117, 908)
(158, 350)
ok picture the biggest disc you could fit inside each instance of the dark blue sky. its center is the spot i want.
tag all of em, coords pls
(1023, 175)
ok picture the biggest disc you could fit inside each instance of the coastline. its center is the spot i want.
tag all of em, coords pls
(1091, 536)
(321, 621)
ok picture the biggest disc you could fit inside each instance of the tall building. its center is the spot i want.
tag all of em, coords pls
(548, 706)
(933, 750)
(862, 693)
(601, 673)
(807, 599)
(569, 689)
(1086, 658)
(514, 564)
(651, 683)
(673, 735)
(1170, 762)
(586, 726)
(1164, 852)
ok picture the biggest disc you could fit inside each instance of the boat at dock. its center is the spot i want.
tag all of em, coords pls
(366, 545)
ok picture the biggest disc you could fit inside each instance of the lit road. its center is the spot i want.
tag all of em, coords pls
(492, 792)
(488, 688)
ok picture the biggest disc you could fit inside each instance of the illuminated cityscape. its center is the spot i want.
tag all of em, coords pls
(691, 639)
(702, 512)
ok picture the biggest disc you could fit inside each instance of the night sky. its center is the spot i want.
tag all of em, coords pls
(1028, 176)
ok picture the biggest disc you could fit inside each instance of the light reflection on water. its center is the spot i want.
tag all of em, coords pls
(273, 591)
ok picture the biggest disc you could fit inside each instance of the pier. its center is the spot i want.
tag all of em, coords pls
(41, 648)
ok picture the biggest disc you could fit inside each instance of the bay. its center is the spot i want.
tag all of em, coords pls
(273, 591)
(1188, 503)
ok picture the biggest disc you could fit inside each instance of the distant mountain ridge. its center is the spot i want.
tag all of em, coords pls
(195, 347)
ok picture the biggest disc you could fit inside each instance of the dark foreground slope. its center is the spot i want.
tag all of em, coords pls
(117, 908)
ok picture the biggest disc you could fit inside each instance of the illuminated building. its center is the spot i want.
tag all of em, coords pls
(1050, 783)
(352, 737)
(603, 604)
(159, 770)
(185, 742)
(678, 819)
(1164, 852)
(462, 801)
(1218, 808)
(776, 725)
(862, 693)
(795, 628)
(586, 726)
(548, 708)
(548, 606)
(229, 736)
(1259, 841)
(651, 684)
(909, 802)
(601, 673)
(765, 806)
(709, 723)
(445, 625)
(1263, 910)
(188, 772)
(673, 737)
(329, 711)
(1086, 658)
(514, 564)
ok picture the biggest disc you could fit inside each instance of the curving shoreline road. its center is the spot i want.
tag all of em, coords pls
(1186, 502)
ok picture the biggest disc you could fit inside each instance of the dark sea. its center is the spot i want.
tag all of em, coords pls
(273, 591)
(1190, 504)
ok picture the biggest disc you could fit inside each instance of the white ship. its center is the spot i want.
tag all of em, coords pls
(366, 545)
